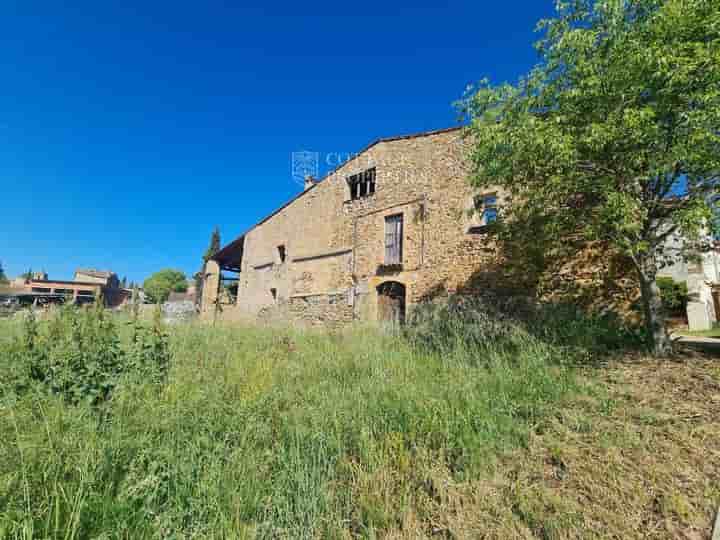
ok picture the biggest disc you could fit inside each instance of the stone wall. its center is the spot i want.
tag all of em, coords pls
(329, 310)
(210, 289)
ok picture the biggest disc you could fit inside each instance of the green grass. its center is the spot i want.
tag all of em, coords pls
(267, 433)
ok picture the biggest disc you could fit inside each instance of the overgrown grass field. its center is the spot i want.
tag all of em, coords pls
(275, 433)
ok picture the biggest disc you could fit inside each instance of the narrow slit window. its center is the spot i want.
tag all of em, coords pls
(282, 253)
(273, 293)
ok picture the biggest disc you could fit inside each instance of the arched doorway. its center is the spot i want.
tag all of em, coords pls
(391, 302)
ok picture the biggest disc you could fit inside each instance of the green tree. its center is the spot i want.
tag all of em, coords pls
(3, 277)
(613, 135)
(214, 246)
(674, 294)
(159, 286)
(123, 283)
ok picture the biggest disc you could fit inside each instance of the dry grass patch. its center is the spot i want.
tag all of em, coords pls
(639, 459)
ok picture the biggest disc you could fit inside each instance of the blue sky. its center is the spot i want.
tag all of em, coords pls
(128, 130)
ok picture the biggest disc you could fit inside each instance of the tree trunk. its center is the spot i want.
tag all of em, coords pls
(655, 323)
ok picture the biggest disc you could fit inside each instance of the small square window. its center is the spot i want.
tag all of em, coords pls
(362, 184)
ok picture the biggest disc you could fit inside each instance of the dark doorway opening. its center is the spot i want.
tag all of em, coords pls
(391, 302)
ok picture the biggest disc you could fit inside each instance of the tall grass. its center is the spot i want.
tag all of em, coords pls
(266, 433)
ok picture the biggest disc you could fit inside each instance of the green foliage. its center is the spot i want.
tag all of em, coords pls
(214, 246)
(511, 325)
(674, 294)
(465, 323)
(78, 355)
(159, 286)
(3, 277)
(149, 351)
(614, 135)
(273, 434)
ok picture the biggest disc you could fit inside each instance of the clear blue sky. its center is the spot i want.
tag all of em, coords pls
(129, 129)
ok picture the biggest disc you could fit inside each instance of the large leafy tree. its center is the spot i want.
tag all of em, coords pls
(159, 286)
(614, 135)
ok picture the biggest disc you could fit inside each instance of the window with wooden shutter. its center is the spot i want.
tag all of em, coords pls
(393, 239)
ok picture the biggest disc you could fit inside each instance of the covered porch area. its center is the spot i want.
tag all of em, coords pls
(221, 278)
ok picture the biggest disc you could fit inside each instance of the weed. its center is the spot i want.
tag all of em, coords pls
(267, 433)
(78, 355)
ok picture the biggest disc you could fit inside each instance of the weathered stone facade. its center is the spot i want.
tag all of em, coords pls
(334, 245)
(321, 258)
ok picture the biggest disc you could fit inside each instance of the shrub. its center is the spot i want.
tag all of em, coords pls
(508, 323)
(149, 353)
(78, 354)
(592, 335)
(461, 322)
(674, 294)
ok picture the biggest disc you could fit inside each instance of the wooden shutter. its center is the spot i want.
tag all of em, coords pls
(393, 239)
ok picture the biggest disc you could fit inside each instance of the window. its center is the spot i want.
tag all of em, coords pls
(282, 253)
(490, 212)
(273, 293)
(40, 290)
(362, 184)
(64, 291)
(85, 293)
(393, 239)
(486, 205)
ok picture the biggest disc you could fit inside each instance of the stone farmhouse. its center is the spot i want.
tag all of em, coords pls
(396, 225)
(389, 228)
